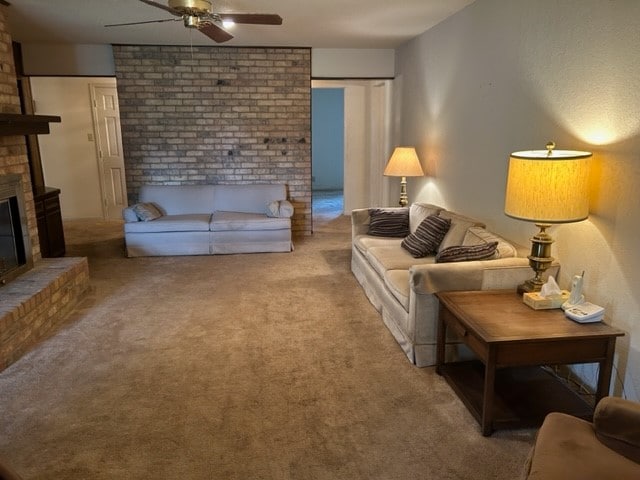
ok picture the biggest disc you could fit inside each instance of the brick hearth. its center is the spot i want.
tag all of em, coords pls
(36, 303)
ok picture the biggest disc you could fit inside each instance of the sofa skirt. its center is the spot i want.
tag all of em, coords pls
(167, 243)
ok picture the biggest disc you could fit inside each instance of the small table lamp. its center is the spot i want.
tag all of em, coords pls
(546, 187)
(404, 163)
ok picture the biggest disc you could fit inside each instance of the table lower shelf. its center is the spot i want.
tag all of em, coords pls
(523, 395)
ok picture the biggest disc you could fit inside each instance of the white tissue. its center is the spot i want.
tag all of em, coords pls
(550, 289)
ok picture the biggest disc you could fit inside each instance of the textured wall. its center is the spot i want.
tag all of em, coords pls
(217, 115)
(13, 150)
(508, 75)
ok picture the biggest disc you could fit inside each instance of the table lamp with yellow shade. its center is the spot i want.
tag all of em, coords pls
(546, 187)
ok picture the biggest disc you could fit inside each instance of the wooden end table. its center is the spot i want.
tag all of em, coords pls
(506, 386)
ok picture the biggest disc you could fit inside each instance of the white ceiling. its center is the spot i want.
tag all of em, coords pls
(306, 23)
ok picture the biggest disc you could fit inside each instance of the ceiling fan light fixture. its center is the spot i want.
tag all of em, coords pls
(191, 21)
(228, 23)
(191, 7)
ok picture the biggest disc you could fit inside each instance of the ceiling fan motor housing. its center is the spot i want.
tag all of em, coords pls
(191, 7)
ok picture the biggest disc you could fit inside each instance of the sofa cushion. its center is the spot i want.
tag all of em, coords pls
(459, 226)
(224, 221)
(180, 199)
(389, 222)
(479, 235)
(195, 222)
(146, 211)
(427, 237)
(397, 281)
(365, 242)
(247, 198)
(418, 212)
(461, 253)
(393, 258)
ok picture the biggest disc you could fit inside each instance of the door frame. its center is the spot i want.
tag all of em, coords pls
(367, 140)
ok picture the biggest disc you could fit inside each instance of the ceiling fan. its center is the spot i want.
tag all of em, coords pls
(197, 14)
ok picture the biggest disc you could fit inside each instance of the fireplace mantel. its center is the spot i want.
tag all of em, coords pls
(19, 124)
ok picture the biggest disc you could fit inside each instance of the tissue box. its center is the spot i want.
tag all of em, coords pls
(538, 302)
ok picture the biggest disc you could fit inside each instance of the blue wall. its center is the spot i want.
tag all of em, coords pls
(327, 145)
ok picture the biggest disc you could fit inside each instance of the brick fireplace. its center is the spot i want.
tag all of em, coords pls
(35, 303)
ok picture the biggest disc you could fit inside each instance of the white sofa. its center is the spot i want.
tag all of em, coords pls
(402, 287)
(210, 219)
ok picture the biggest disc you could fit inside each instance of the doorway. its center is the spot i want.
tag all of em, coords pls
(327, 153)
(366, 140)
(69, 154)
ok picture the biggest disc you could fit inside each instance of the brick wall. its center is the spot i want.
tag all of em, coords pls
(13, 149)
(217, 115)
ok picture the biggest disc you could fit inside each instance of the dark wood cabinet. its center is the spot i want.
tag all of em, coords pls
(49, 217)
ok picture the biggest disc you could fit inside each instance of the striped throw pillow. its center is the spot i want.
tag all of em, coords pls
(427, 237)
(389, 223)
(464, 253)
(147, 211)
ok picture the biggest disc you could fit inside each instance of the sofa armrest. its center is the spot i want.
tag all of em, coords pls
(617, 425)
(496, 274)
(359, 222)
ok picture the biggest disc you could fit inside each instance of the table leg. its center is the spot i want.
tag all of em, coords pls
(488, 394)
(604, 375)
(441, 339)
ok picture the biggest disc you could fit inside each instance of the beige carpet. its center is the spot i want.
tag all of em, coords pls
(262, 366)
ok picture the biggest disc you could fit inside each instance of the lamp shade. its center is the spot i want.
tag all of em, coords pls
(404, 162)
(548, 186)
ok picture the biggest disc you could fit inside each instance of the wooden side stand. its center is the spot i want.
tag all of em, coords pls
(507, 386)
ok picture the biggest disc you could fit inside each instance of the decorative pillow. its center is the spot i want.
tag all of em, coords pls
(427, 236)
(147, 211)
(459, 226)
(479, 235)
(129, 215)
(279, 209)
(418, 212)
(462, 253)
(273, 209)
(389, 222)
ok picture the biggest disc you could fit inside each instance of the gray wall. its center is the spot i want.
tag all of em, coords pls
(508, 75)
(327, 150)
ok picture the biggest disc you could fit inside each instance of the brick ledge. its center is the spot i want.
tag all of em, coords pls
(35, 305)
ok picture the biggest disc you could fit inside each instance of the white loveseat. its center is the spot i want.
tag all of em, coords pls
(402, 287)
(210, 219)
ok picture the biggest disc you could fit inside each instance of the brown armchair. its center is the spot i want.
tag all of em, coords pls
(8, 473)
(569, 448)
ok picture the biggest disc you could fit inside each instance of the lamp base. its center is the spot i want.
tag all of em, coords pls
(529, 286)
(539, 259)
(404, 198)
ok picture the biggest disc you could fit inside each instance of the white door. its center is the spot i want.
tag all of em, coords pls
(106, 123)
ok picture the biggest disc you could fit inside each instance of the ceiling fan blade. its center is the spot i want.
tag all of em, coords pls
(215, 33)
(142, 23)
(163, 7)
(252, 18)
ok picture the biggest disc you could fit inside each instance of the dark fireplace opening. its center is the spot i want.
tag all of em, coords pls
(15, 248)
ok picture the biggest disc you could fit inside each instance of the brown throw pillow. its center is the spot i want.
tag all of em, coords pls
(466, 253)
(389, 223)
(427, 236)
